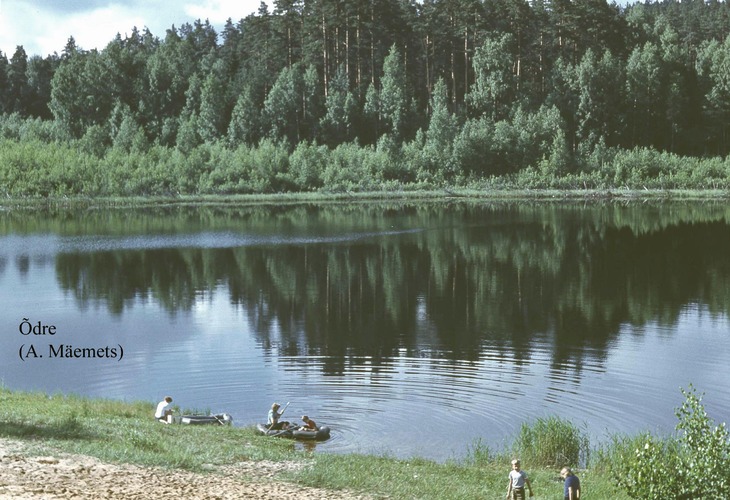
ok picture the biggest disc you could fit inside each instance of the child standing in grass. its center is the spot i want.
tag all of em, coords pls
(517, 482)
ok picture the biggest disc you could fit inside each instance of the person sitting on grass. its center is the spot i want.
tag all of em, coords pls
(164, 412)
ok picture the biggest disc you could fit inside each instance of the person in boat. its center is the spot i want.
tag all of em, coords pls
(163, 413)
(273, 421)
(309, 424)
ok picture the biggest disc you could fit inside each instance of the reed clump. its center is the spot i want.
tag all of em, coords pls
(552, 442)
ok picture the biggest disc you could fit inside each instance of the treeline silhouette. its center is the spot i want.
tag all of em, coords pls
(384, 94)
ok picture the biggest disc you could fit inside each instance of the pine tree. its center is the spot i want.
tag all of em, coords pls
(245, 124)
(395, 100)
(18, 91)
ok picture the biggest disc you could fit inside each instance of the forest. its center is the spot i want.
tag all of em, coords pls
(380, 95)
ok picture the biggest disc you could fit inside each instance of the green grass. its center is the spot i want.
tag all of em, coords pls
(124, 432)
(485, 193)
(424, 479)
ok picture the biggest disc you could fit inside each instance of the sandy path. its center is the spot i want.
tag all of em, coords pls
(75, 476)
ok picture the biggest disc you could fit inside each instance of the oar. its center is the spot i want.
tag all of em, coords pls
(284, 431)
(282, 411)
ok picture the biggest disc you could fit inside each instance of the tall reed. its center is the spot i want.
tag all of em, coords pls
(551, 442)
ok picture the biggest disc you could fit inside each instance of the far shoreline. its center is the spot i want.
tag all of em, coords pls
(441, 195)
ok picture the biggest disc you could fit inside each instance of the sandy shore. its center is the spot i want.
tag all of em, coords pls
(62, 475)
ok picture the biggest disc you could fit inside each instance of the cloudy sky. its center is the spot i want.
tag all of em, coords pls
(42, 27)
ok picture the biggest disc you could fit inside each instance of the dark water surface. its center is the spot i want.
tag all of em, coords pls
(411, 329)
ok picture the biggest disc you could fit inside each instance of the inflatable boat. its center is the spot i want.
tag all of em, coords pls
(293, 432)
(220, 419)
(321, 434)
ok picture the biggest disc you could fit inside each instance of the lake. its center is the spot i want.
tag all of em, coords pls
(411, 329)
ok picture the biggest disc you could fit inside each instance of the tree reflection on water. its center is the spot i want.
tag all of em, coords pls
(429, 280)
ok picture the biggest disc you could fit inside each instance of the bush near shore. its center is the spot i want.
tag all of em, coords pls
(690, 464)
(31, 167)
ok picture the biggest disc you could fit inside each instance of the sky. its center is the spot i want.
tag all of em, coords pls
(43, 27)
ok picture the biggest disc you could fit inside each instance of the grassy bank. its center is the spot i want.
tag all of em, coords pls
(415, 195)
(116, 431)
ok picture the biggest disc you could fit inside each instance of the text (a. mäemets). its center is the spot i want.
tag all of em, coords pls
(61, 351)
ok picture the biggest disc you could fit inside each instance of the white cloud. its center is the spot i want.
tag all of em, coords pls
(218, 11)
(11, 25)
(97, 28)
(43, 31)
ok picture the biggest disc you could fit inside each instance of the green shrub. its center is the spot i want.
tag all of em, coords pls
(306, 166)
(551, 442)
(348, 168)
(705, 461)
(270, 166)
(694, 463)
(642, 466)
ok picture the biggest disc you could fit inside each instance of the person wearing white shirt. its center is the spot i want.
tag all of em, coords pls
(164, 412)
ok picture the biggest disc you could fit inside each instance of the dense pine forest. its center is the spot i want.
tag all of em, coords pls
(350, 95)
